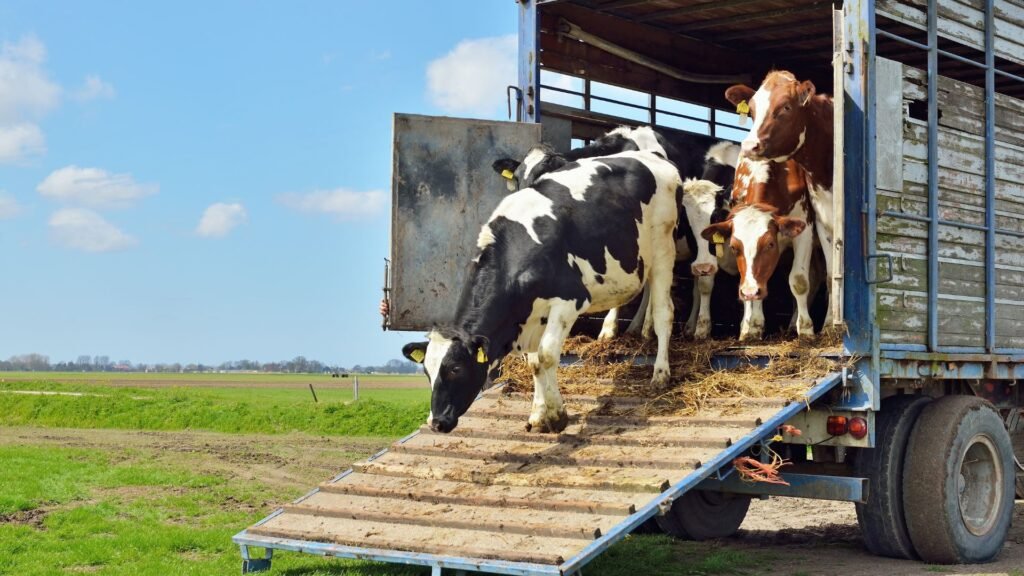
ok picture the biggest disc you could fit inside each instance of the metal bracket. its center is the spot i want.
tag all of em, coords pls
(519, 100)
(869, 272)
(252, 565)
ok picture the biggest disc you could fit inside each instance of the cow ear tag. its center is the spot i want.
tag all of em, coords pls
(743, 109)
(417, 356)
(719, 242)
(507, 174)
(481, 356)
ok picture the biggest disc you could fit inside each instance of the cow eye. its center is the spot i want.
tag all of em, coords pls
(786, 108)
(771, 245)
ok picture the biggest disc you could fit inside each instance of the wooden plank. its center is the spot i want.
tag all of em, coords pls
(963, 106)
(961, 152)
(710, 435)
(535, 474)
(422, 539)
(531, 522)
(558, 453)
(446, 492)
(889, 122)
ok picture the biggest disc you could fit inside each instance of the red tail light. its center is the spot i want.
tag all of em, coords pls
(858, 428)
(836, 425)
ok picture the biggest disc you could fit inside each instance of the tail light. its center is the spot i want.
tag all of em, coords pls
(837, 425)
(858, 427)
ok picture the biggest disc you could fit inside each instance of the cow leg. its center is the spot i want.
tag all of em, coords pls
(662, 307)
(691, 320)
(548, 414)
(705, 285)
(799, 281)
(639, 324)
(825, 239)
(752, 327)
(610, 326)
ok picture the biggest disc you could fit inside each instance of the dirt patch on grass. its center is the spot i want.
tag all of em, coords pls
(287, 461)
(33, 518)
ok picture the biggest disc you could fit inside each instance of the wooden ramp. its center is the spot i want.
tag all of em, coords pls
(492, 497)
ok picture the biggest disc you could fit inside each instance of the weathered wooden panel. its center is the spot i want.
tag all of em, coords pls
(962, 106)
(962, 22)
(889, 124)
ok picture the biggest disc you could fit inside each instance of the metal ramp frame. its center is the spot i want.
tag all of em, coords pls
(264, 534)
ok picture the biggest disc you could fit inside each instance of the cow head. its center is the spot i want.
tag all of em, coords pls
(539, 161)
(456, 366)
(753, 233)
(780, 112)
(700, 200)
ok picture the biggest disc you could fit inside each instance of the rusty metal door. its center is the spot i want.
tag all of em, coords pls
(442, 191)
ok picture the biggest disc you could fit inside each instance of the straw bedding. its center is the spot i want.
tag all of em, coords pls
(607, 368)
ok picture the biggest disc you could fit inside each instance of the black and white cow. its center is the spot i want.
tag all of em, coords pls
(586, 238)
(696, 156)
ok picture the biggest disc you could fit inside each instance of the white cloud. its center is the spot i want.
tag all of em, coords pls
(25, 90)
(219, 219)
(20, 141)
(85, 230)
(94, 88)
(9, 207)
(94, 187)
(339, 203)
(472, 78)
(381, 55)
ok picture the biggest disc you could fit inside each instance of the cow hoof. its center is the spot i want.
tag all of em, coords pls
(550, 425)
(752, 334)
(606, 335)
(703, 331)
(661, 378)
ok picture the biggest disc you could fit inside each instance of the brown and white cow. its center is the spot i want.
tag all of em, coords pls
(771, 215)
(793, 122)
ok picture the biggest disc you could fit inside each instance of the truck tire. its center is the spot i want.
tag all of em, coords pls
(881, 520)
(958, 482)
(1015, 426)
(704, 514)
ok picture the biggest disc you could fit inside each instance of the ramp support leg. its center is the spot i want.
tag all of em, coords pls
(251, 565)
(435, 570)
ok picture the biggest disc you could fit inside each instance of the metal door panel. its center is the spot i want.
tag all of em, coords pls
(443, 190)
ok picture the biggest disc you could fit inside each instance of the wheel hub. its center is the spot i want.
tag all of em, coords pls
(980, 485)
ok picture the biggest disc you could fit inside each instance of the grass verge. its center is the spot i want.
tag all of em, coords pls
(380, 412)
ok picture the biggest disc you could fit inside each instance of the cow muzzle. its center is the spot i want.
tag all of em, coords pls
(443, 425)
(751, 293)
(703, 269)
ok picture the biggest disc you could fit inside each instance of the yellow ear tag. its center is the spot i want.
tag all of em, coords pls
(719, 242)
(481, 356)
(507, 174)
(417, 356)
(743, 109)
(777, 438)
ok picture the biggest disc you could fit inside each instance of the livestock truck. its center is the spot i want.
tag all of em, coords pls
(919, 423)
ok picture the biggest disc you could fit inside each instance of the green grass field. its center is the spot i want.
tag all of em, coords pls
(380, 412)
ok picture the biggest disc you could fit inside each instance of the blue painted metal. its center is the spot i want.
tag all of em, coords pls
(766, 429)
(529, 62)
(859, 180)
(917, 365)
(990, 178)
(933, 176)
(840, 488)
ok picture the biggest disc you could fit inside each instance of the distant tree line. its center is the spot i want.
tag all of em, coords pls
(299, 364)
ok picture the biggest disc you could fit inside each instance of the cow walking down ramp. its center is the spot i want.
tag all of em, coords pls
(585, 238)
(490, 497)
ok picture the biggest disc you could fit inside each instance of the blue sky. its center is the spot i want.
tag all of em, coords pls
(210, 181)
